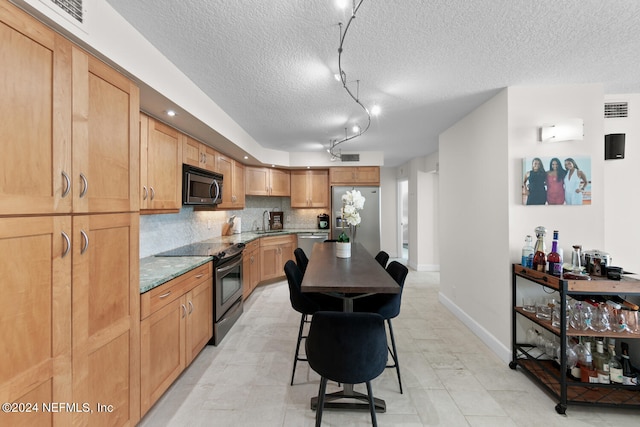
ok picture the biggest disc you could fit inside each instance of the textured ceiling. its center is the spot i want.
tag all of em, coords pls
(270, 64)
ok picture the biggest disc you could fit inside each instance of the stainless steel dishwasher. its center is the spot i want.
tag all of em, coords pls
(307, 240)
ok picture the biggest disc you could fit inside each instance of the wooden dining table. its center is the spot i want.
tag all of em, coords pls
(348, 279)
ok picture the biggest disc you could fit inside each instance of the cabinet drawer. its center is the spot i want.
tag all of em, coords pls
(253, 245)
(162, 295)
(277, 240)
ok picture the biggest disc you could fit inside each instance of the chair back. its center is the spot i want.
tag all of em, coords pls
(382, 258)
(299, 302)
(391, 306)
(349, 348)
(301, 260)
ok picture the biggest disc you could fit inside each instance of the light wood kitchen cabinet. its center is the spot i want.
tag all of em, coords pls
(309, 188)
(360, 175)
(70, 147)
(35, 310)
(197, 154)
(35, 70)
(267, 182)
(274, 253)
(106, 317)
(106, 150)
(233, 187)
(176, 324)
(250, 268)
(160, 167)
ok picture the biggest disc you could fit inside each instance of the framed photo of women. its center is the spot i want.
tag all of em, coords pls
(556, 180)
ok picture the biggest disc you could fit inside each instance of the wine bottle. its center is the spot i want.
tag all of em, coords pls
(601, 363)
(629, 376)
(615, 367)
(527, 252)
(585, 362)
(555, 262)
(540, 256)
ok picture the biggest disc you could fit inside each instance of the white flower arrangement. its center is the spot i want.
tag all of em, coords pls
(352, 202)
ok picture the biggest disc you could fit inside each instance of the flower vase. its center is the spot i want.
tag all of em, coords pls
(343, 249)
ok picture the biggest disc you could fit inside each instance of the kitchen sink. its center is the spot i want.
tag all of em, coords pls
(269, 231)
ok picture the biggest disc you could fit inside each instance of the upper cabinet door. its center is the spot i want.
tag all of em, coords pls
(106, 148)
(35, 106)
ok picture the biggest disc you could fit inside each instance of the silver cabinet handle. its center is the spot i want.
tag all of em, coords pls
(85, 239)
(199, 275)
(68, 240)
(164, 295)
(190, 307)
(153, 193)
(184, 310)
(85, 185)
(145, 193)
(67, 187)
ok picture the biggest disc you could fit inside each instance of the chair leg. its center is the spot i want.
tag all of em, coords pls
(303, 319)
(320, 405)
(394, 355)
(372, 406)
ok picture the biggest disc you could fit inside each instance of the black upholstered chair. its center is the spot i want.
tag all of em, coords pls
(388, 306)
(382, 258)
(301, 259)
(306, 304)
(350, 348)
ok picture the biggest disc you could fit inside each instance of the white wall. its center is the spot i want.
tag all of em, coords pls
(483, 221)
(622, 225)
(474, 221)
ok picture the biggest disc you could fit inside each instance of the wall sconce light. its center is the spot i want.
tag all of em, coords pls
(565, 130)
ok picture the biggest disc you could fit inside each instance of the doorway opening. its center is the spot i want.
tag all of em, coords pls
(403, 215)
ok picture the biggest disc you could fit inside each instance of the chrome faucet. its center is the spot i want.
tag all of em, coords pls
(265, 224)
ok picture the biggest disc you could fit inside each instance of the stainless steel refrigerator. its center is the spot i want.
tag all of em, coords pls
(368, 231)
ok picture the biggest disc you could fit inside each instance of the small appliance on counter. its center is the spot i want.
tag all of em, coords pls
(323, 221)
(276, 221)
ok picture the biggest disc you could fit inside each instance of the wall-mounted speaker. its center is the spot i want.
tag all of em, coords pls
(614, 146)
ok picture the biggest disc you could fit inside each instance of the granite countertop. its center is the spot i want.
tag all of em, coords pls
(154, 271)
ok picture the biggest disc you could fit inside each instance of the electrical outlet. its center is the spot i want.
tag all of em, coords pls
(288, 218)
(208, 224)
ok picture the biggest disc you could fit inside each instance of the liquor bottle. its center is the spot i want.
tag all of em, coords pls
(540, 255)
(527, 252)
(601, 363)
(615, 367)
(555, 262)
(629, 376)
(585, 362)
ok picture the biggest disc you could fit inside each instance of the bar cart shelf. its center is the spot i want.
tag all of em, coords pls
(551, 374)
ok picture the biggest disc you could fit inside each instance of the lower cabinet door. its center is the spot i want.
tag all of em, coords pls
(162, 351)
(199, 318)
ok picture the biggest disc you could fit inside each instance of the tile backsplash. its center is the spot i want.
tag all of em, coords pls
(162, 232)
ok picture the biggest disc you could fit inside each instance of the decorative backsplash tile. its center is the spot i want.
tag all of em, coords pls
(162, 232)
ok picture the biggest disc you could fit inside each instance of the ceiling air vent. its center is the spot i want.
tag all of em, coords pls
(350, 157)
(614, 110)
(72, 10)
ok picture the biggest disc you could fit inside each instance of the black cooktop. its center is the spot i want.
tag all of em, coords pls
(216, 250)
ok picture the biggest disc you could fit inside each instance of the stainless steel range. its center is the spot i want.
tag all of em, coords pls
(227, 281)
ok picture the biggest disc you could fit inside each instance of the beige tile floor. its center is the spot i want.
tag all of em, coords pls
(450, 377)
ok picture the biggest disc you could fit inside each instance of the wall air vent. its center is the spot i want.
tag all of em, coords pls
(614, 110)
(350, 157)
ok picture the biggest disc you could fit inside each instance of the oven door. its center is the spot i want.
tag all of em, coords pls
(228, 285)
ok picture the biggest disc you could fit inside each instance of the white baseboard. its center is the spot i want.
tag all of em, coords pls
(503, 352)
(424, 267)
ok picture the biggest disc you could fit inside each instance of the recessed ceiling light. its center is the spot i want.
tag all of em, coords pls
(355, 129)
(342, 4)
(171, 113)
(375, 110)
(246, 157)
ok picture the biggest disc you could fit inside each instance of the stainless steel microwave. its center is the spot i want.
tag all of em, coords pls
(200, 186)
